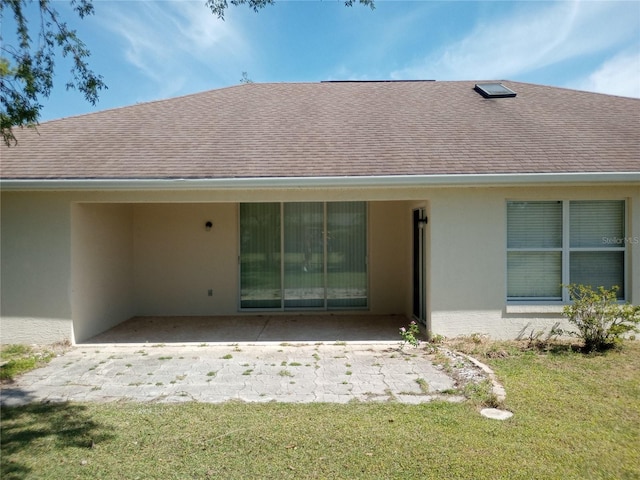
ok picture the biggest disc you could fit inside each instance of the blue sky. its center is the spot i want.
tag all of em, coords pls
(148, 50)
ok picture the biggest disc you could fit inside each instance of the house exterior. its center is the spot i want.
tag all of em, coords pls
(465, 207)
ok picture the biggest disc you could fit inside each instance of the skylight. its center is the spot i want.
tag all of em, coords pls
(494, 90)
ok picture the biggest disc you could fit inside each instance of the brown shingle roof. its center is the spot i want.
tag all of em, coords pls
(337, 129)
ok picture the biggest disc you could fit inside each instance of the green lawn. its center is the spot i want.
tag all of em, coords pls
(576, 417)
(17, 359)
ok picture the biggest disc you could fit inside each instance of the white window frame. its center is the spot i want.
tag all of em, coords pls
(566, 250)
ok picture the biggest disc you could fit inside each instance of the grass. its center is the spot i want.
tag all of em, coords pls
(576, 417)
(422, 383)
(480, 394)
(18, 359)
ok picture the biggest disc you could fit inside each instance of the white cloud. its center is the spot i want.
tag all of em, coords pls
(532, 37)
(171, 42)
(618, 76)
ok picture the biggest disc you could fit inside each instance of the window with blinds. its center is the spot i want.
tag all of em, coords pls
(534, 255)
(551, 243)
(596, 244)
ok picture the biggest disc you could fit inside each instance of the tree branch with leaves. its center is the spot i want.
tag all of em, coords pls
(219, 7)
(27, 65)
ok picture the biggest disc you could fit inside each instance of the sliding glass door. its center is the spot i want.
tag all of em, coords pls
(260, 259)
(303, 255)
(346, 254)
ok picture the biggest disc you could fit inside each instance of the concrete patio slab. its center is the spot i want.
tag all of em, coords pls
(285, 372)
(256, 328)
(297, 358)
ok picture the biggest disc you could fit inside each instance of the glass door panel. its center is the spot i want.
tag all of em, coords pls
(260, 260)
(346, 254)
(303, 262)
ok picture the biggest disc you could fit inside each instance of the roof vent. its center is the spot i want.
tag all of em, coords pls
(494, 90)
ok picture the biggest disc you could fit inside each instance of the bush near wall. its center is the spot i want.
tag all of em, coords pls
(601, 321)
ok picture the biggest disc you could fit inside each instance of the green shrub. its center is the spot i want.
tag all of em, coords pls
(600, 320)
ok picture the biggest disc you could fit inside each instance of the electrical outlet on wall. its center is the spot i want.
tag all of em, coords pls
(210, 292)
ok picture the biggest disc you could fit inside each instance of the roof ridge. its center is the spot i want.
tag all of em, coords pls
(378, 81)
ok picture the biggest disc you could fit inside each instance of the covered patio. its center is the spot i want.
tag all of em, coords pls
(305, 328)
(242, 272)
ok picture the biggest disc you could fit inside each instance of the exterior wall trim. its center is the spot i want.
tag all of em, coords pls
(461, 180)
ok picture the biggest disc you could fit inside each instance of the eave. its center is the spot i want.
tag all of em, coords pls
(392, 181)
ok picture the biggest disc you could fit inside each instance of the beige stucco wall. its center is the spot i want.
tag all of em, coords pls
(148, 253)
(389, 257)
(467, 262)
(35, 269)
(177, 261)
(102, 293)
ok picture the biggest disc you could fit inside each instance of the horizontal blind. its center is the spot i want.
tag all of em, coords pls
(598, 269)
(593, 253)
(534, 275)
(534, 225)
(595, 224)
